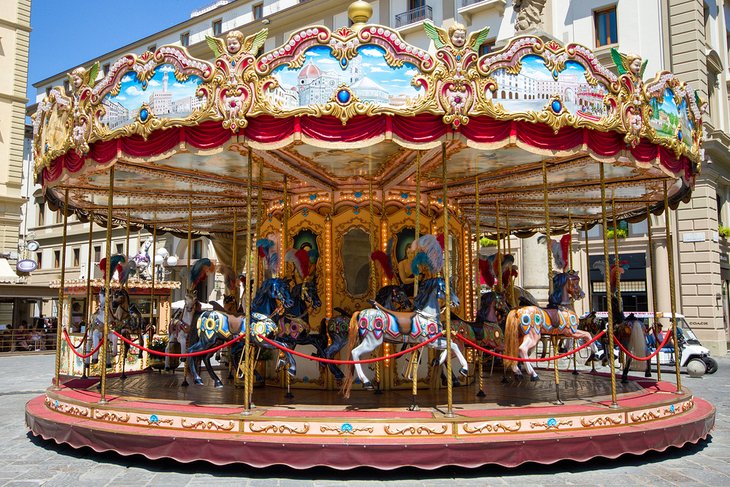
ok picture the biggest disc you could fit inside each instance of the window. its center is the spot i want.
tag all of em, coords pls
(606, 28)
(59, 217)
(66, 86)
(487, 47)
(217, 27)
(39, 259)
(258, 11)
(56, 259)
(197, 249)
(41, 213)
(152, 48)
(706, 19)
(105, 69)
(720, 219)
(97, 253)
(120, 248)
(77, 257)
(185, 39)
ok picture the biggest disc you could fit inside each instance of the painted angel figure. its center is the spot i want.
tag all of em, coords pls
(235, 44)
(631, 64)
(455, 37)
(81, 76)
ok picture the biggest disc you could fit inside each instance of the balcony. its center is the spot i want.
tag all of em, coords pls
(413, 17)
(467, 8)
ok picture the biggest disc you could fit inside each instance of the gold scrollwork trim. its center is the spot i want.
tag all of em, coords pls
(646, 416)
(279, 428)
(154, 421)
(346, 431)
(416, 430)
(207, 425)
(112, 417)
(493, 428)
(601, 421)
(551, 424)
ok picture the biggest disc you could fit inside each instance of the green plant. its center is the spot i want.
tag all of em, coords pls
(724, 231)
(487, 242)
(158, 344)
(620, 233)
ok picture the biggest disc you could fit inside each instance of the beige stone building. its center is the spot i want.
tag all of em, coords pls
(688, 37)
(14, 43)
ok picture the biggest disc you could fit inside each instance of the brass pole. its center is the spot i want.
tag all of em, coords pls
(511, 280)
(546, 209)
(672, 290)
(373, 277)
(234, 255)
(89, 263)
(588, 269)
(129, 224)
(107, 287)
(186, 367)
(417, 233)
(285, 244)
(154, 272)
(478, 273)
(259, 216)
(616, 259)
(570, 264)
(59, 319)
(607, 282)
(498, 286)
(447, 282)
(247, 393)
(653, 291)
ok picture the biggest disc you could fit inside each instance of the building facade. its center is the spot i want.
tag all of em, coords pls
(688, 37)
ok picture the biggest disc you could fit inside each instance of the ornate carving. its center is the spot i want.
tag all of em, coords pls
(551, 424)
(279, 428)
(601, 421)
(645, 416)
(153, 420)
(207, 425)
(416, 430)
(112, 417)
(493, 428)
(346, 429)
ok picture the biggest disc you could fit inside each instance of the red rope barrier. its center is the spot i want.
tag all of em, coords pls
(518, 359)
(83, 339)
(650, 356)
(193, 354)
(352, 362)
(73, 349)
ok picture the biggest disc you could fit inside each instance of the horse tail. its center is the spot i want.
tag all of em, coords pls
(511, 338)
(352, 337)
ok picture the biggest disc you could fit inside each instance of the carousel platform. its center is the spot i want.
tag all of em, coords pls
(517, 422)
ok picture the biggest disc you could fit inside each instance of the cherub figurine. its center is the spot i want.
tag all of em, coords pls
(455, 37)
(80, 76)
(629, 63)
(236, 44)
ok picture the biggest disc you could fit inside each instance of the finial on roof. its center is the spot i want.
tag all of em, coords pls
(359, 12)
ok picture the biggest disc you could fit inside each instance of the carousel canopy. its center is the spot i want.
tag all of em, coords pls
(336, 113)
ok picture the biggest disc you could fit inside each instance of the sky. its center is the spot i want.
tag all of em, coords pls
(67, 34)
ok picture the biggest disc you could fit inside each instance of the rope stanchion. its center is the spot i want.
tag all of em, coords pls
(650, 356)
(83, 338)
(352, 362)
(519, 359)
(179, 355)
(73, 349)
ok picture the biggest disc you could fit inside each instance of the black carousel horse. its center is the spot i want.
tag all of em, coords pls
(294, 328)
(215, 327)
(488, 329)
(127, 320)
(336, 328)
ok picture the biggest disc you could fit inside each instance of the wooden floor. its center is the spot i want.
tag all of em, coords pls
(166, 386)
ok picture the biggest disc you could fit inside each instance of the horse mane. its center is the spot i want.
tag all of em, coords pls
(260, 296)
(424, 292)
(485, 302)
(556, 297)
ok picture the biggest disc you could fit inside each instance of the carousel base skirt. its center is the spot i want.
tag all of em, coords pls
(511, 426)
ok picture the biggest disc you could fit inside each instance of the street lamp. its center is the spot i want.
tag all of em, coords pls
(163, 259)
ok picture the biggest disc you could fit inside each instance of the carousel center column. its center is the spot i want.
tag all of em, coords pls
(533, 265)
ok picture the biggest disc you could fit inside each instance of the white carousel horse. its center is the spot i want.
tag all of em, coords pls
(143, 260)
(180, 325)
(376, 325)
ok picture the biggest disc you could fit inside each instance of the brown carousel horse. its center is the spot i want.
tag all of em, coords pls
(558, 319)
(128, 320)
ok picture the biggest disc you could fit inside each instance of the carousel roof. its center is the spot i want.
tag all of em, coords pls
(333, 111)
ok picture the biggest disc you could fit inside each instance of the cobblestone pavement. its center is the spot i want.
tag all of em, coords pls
(26, 460)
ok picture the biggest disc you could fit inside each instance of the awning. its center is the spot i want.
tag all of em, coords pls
(7, 274)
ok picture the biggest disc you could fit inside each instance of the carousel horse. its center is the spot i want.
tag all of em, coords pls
(336, 328)
(487, 330)
(180, 326)
(143, 260)
(558, 319)
(629, 331)
(294, 328)
(215, 327)
(375, 326)
(97, 325)
(127, 320)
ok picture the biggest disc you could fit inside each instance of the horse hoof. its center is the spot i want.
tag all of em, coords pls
(184, 383)
(218, 384)
(368, 386)
(535, 378)
(292, 372)
(464, 371)
(624, 381)
(198, 382)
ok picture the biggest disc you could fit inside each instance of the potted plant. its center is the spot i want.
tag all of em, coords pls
(723, 231)
(157, 344)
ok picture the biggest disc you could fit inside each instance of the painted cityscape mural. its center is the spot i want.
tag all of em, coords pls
(367, 75)
(163, 96)
(534, 88)
(670, 119)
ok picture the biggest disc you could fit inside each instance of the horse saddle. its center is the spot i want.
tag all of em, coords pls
(403, 318)
(554, 315)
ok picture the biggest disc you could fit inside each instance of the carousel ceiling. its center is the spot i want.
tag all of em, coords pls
(338, 118)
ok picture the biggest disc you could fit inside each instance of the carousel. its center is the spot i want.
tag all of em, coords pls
(349, 182)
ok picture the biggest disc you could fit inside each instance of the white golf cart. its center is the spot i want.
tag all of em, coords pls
(691, 350)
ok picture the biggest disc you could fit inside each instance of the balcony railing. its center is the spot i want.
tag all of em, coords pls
(414, 15)
(466, 3)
